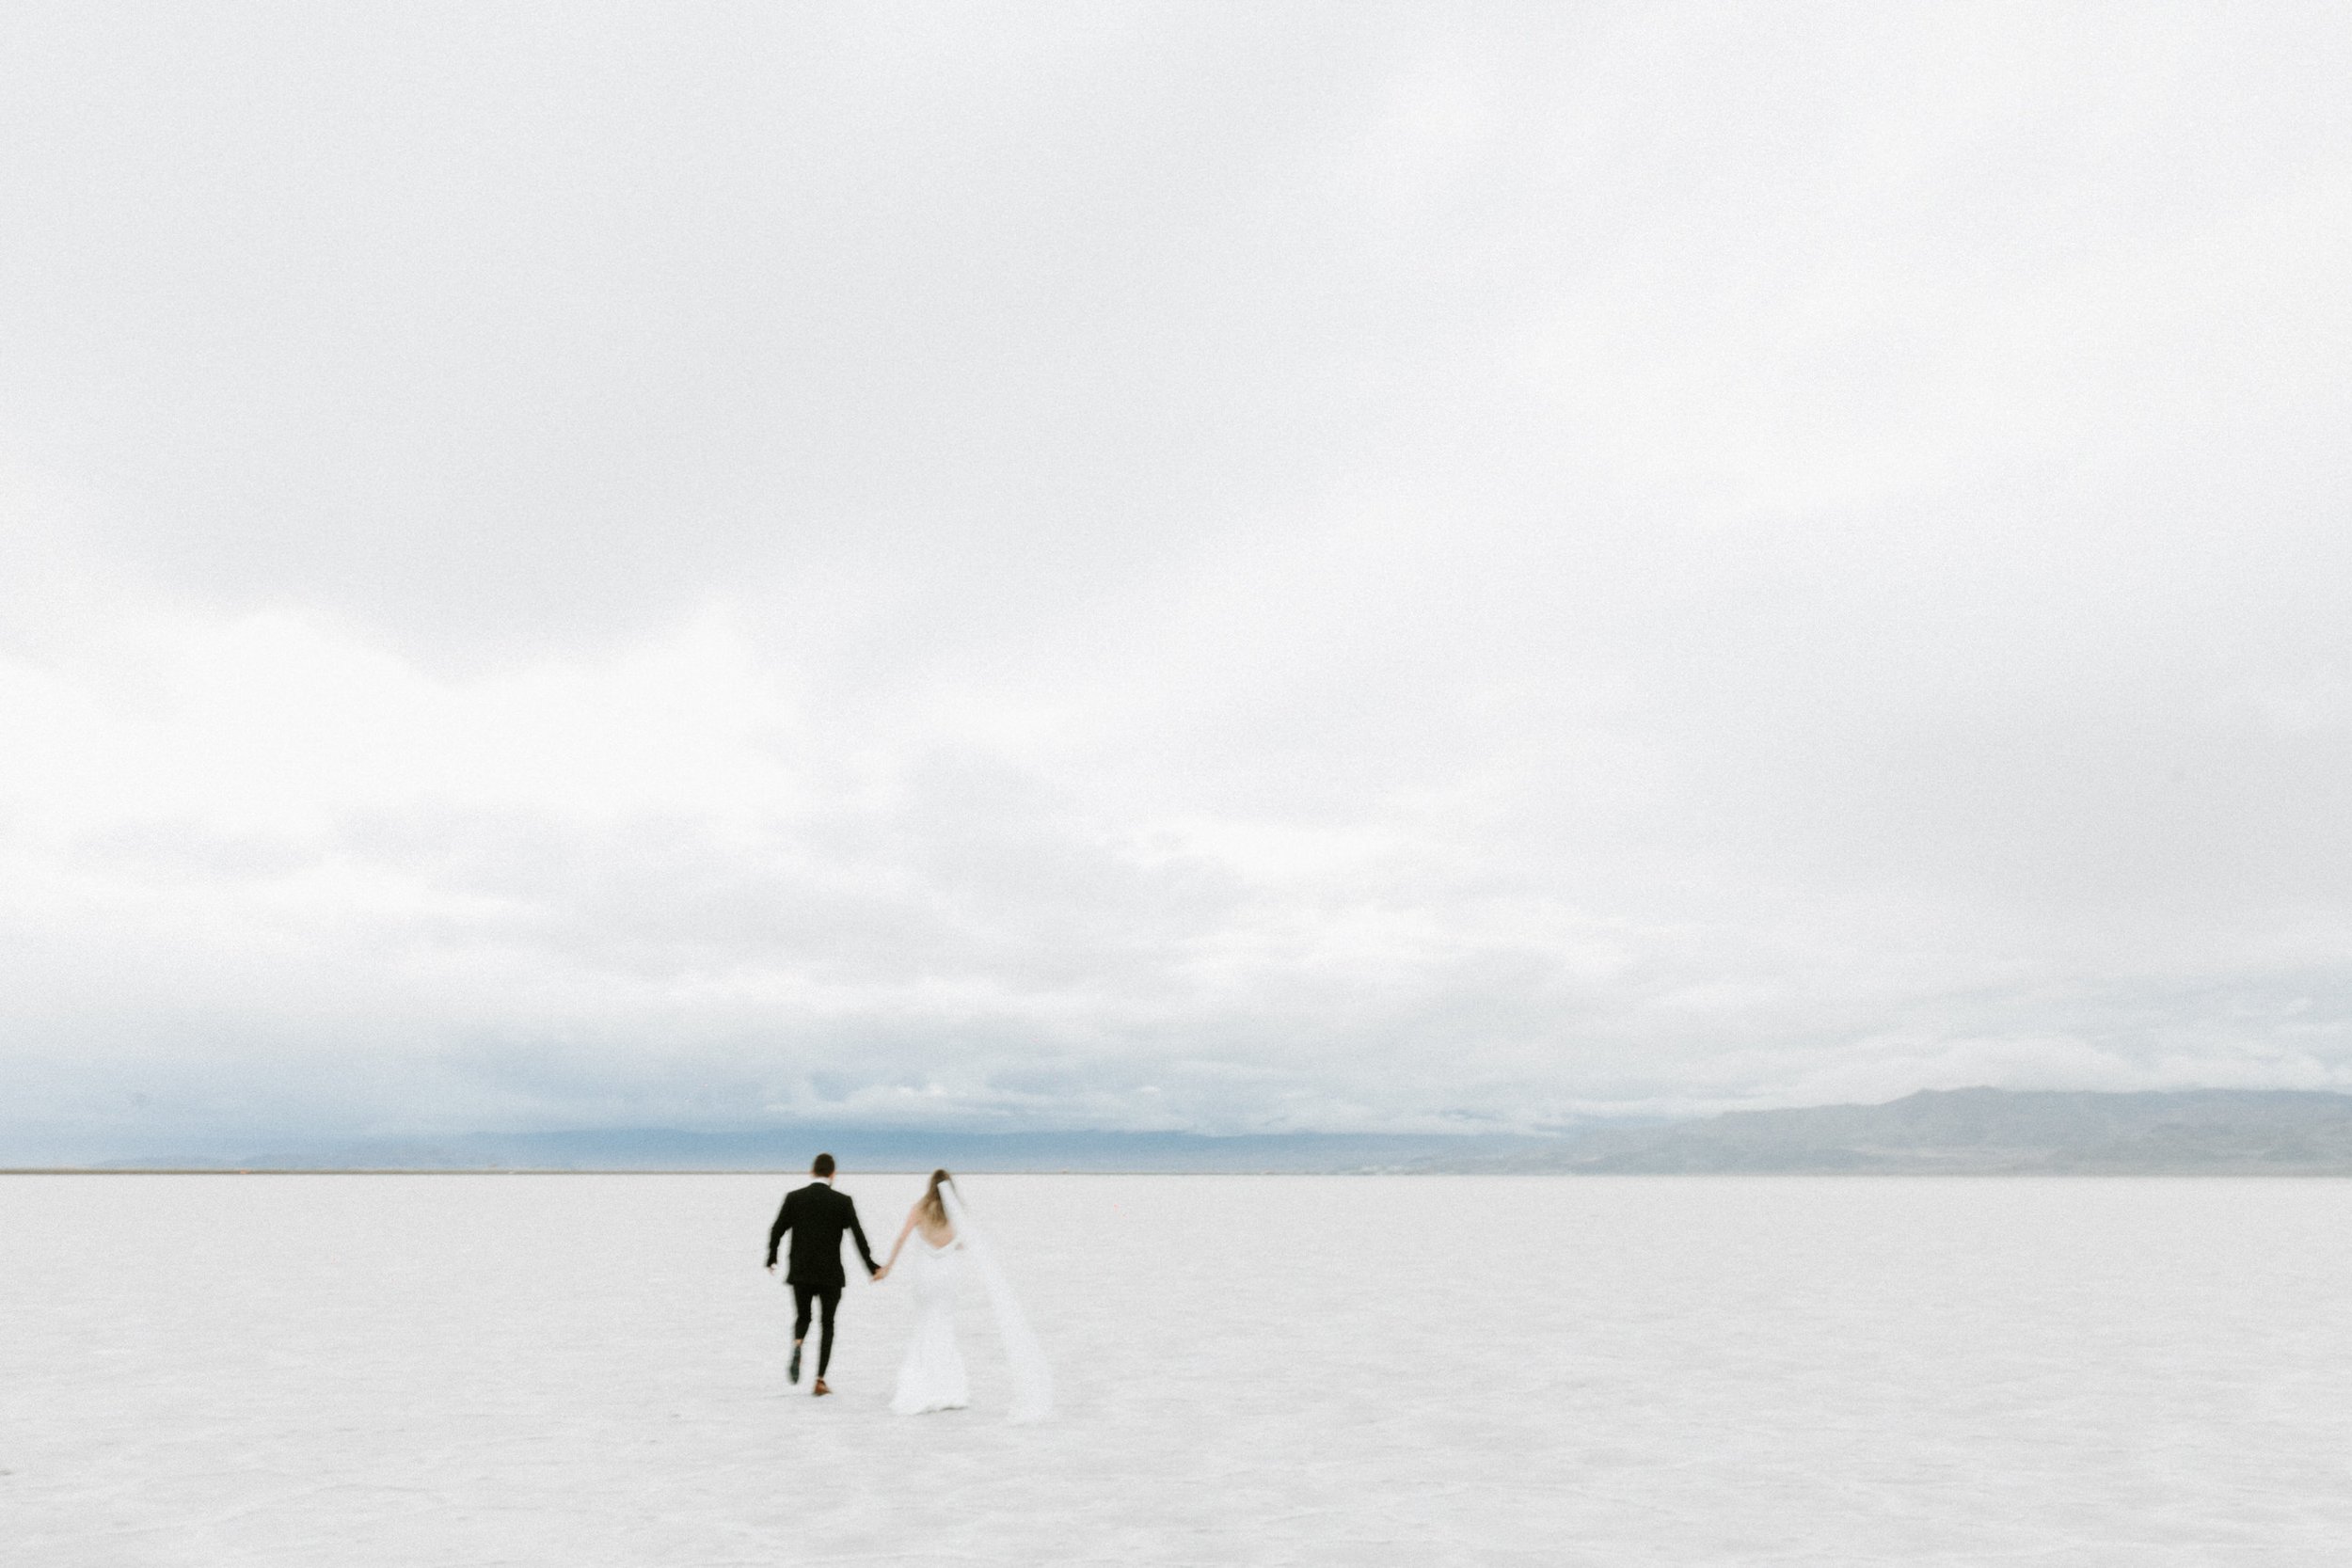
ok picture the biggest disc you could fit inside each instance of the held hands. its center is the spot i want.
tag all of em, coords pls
(882, 1274)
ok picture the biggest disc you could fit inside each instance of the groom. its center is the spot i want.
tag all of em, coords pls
(817, 1215)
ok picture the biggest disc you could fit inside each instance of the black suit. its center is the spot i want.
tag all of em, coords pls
(817, 1215)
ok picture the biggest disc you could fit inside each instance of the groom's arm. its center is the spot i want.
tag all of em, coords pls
(784, 1223)
(862, 1250)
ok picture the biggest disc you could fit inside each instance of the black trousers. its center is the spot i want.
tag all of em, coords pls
(830, 1295)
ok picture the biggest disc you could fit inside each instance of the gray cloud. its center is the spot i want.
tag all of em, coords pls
(1136, 566)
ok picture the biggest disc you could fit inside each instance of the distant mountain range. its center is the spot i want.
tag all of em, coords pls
(1956, 1132)
(1980, 1133)
(861, 1150)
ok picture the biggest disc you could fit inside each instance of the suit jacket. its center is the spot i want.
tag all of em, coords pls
(817, 1215)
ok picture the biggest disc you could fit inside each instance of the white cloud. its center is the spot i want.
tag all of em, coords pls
(1162, 569)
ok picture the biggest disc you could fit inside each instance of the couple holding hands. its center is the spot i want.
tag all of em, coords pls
(947, 1247)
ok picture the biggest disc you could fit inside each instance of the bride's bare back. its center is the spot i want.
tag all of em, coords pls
(930, 1217)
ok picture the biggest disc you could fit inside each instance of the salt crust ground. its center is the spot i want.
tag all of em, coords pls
(582, 1371)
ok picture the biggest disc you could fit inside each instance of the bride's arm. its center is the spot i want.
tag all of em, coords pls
(904, 1231)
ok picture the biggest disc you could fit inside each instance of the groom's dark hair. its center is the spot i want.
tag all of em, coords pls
(823, 1166)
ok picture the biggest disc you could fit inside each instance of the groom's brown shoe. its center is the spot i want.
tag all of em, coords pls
(821, 1388)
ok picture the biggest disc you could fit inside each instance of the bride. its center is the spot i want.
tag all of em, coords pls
(931, 1377)
(946, 1245)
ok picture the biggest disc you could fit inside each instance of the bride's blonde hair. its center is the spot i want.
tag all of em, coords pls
(935, 1207)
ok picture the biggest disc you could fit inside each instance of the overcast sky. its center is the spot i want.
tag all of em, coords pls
(1200, 568)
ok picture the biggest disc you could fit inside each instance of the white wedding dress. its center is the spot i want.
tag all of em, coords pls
(931, 1377)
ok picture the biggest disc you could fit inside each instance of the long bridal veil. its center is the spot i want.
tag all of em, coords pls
(1032, 1378)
